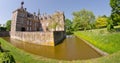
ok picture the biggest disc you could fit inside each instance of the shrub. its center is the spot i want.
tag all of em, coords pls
(6, 57)
(110, 28)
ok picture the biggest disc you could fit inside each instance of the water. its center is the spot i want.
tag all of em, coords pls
(72, 48)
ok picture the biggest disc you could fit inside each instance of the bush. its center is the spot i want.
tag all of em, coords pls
(2, 28)
(6, 57)
(110, 28)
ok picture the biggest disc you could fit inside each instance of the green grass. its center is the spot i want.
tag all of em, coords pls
(23, 57)
(114, 58)
(108, 42)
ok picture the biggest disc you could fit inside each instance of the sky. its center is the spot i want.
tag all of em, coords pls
(98, 7)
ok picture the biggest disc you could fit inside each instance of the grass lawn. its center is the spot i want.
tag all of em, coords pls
(106, 41)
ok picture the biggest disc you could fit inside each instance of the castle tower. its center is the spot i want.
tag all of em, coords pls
(22, 3)
(38, 12)
(18, 19)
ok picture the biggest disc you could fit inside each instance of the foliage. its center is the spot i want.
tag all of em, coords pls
(53, 26)
(8, 25)
(82, 19)
(6, 57)
(2, 28)
(115, 15)
(101, 21)
(110, 25)
(68, 26)
(55, 22)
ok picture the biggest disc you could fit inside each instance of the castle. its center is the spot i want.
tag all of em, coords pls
(36, 28)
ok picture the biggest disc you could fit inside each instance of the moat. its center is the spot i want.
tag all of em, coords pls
(72, 48)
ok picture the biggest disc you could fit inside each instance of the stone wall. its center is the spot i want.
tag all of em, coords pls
(59, 36)
(42, 38)
(4, 33)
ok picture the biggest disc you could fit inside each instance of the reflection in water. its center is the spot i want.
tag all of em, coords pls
(72, 48)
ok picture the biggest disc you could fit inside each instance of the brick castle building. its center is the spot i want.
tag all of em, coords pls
(36, 28)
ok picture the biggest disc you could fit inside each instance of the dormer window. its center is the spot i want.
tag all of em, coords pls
(41, 19)
(28, 15)
(45, 17)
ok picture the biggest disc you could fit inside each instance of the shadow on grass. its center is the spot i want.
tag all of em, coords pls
(117, 29)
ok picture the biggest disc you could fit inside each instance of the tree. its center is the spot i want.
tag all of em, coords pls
(101, 21)
(110, 25)
(83, 19)
(115, 15)
(68, 25)
(0, 25)
(2, 28)
(55, 22)
(8, 25)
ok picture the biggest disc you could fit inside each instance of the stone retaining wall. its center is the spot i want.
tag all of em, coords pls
(4, 33)
(59, 36)
(42, 38)
(95, 48)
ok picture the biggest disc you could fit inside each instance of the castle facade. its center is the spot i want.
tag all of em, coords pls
(36, 28)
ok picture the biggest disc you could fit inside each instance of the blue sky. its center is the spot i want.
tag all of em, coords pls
(98, 7)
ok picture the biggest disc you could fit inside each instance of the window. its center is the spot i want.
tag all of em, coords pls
(41, 29)
(27, 22)
(30, 29)
(41, 18)
(27, 28)
(21, 15)
(30, 22)
(46, 18)
(23, 29)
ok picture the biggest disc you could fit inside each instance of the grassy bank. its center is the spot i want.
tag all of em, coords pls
(113, 58)
(23, 57)
(108, 42)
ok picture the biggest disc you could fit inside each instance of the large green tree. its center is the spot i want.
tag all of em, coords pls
(101, 21)
(110, 26)
(83, 19)
(8, 25)
(68, 25)
(115, 15)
